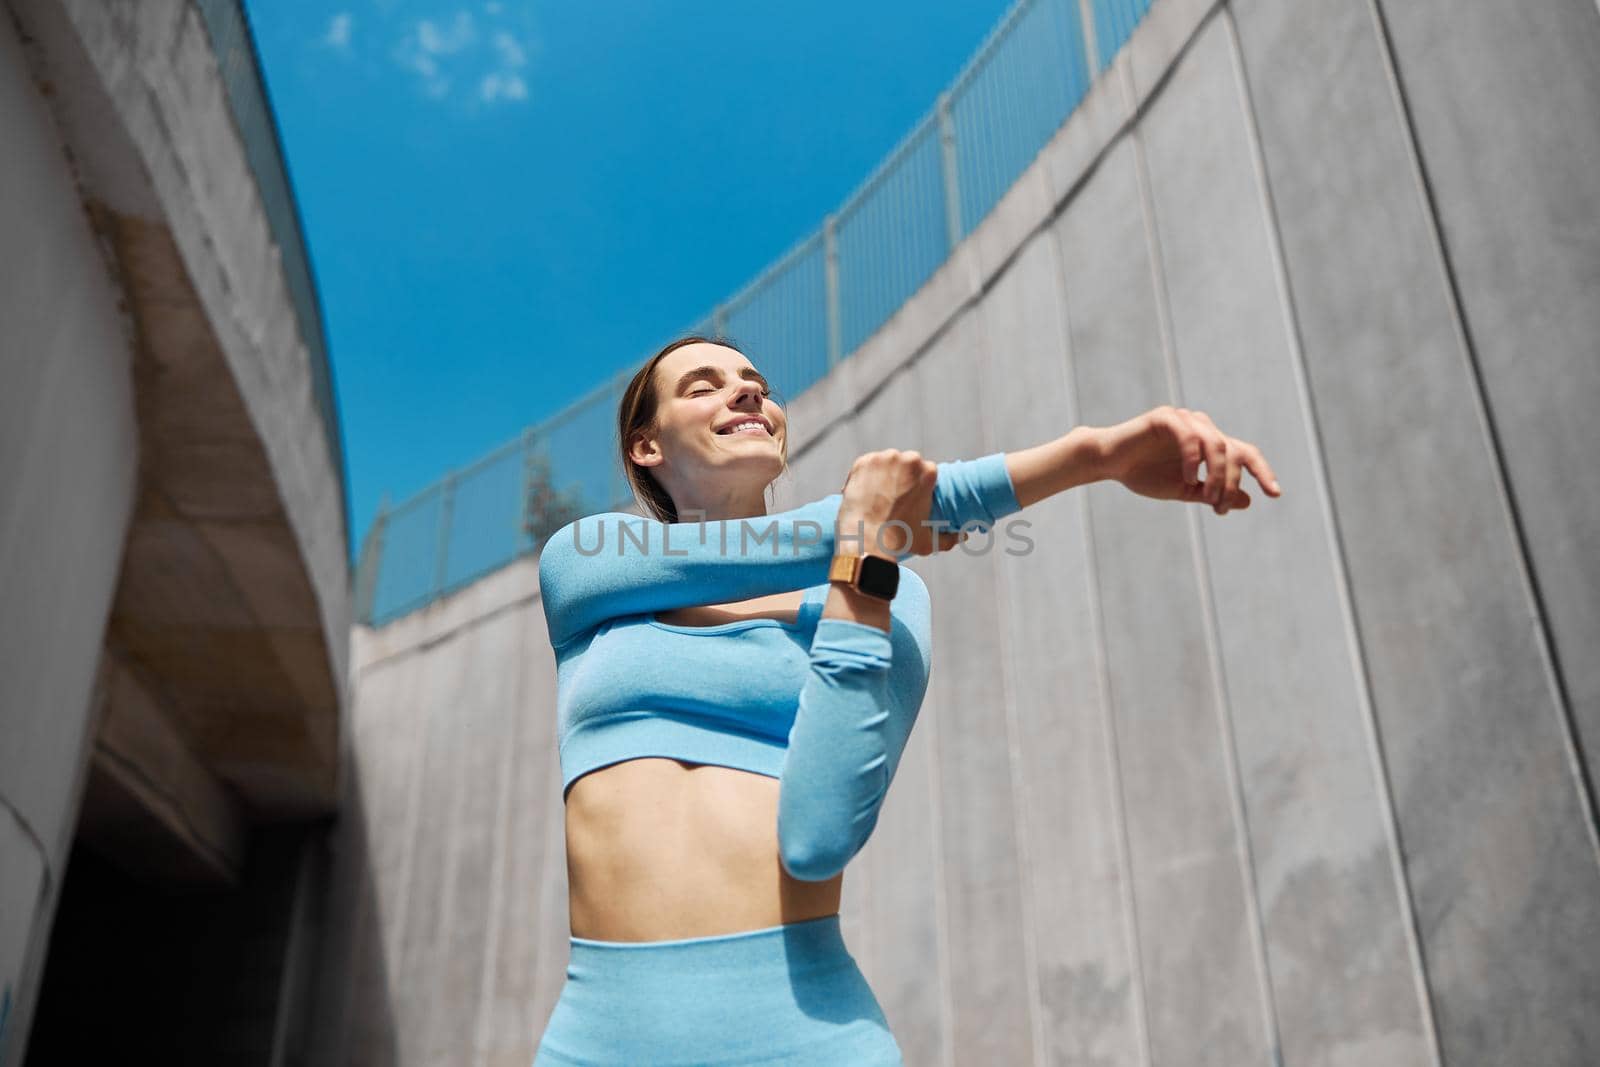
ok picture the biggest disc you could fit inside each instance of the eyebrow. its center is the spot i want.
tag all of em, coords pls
(709, 371)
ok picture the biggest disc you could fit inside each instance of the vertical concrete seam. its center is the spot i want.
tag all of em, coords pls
(1481, 408)
(1209, 623)
(554, 834)
(1322, 485)
(941, 907)
(456, 785)
(1102, 657)
(1008, 703)
(395, 936)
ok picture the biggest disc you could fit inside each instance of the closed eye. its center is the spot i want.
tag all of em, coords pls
(701, 392)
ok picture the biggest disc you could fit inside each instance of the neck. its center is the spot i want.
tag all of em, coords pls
(741, 503)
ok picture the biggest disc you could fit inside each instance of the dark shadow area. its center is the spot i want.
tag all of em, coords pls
(144, 973)
(351, 1021)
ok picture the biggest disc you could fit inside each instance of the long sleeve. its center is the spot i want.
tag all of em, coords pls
(855, 714)
(612, 564)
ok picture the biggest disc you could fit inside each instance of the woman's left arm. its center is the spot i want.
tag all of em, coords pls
(855, 714)
(1157, 454)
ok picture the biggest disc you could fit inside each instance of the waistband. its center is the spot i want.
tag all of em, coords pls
(798, 947)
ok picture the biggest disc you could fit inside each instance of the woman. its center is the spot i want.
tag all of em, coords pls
(735, 689)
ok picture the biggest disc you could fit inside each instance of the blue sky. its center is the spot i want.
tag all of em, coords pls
(507, 202)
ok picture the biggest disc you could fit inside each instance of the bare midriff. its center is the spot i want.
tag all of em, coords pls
(660, 849)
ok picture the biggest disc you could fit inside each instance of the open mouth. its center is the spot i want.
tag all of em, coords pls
(750, 426)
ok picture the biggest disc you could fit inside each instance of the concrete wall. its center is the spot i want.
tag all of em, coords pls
(66, 419)
(1310, 783)
(446, 931)
(172, 551)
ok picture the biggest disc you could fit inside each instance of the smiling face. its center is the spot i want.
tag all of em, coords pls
(704, 451)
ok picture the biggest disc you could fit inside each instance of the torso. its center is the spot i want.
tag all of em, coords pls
(661, 849)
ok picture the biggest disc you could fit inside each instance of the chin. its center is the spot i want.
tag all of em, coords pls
(767, 459)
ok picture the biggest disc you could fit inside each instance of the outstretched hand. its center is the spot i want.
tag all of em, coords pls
(1158, 454)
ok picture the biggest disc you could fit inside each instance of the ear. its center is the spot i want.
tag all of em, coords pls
(644, 451)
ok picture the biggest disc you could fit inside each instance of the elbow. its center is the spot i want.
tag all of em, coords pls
(811, 860)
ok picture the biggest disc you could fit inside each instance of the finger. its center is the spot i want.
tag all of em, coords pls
(1190, 448)
(1230, 481)
(1216, 450)
(1257, 465)
(1252, 459)
(1216, 465)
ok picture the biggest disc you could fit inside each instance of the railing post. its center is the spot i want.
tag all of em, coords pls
(952, 185)
(523, 513)
(830, 263)
(1090, 47)
(447, 499)
(368, 566)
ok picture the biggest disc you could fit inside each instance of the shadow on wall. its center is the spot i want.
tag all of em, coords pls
(351, 1018)
(223, 975)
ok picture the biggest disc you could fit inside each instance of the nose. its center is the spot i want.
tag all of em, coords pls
(747, 390)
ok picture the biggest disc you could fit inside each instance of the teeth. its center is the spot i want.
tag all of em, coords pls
(744, 426)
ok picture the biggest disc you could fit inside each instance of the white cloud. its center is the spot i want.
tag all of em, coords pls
(509, 49)
(338, 35)
(502, 87)
(436, 51)
(449, 39)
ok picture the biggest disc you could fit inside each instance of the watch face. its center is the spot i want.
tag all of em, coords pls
(879, 577)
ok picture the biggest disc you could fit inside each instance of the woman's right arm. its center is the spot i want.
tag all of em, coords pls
(605, 566)
(613, 564)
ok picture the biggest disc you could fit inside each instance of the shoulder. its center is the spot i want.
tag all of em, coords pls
(585, 535)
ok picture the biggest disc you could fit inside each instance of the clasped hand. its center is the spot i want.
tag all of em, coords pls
(886, 487)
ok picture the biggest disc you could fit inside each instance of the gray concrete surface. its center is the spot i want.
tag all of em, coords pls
(172, 550)
(1305, 784)
(64, 350)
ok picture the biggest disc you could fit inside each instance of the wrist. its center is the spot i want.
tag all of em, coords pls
(1076, 458)
(852, 605)
(1088, 450)
(857, 534)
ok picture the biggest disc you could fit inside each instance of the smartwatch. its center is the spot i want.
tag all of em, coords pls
(872, 575)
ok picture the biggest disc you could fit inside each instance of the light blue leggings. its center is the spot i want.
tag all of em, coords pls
(789, 994)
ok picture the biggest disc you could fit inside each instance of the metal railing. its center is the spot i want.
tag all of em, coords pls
(819, 301)
(238, 63)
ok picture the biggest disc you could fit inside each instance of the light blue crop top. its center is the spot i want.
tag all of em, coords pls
(823, 705)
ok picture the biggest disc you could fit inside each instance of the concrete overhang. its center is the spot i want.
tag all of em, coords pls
(232, 611)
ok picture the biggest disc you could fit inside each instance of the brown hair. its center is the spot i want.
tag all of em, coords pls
(637, 414)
